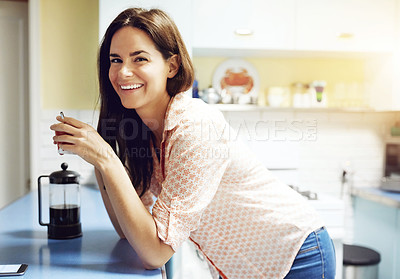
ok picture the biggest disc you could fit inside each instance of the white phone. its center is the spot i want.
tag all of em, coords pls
(12, 269)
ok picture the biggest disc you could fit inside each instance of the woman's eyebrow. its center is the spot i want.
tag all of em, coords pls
(138, 52)
(130, 54)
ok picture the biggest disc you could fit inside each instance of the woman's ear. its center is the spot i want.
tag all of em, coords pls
(174, 65)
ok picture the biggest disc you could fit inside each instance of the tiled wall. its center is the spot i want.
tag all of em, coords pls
(317, 145)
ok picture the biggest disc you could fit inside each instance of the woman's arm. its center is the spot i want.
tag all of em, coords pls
(123, 204)
(135, 221)
(107, 204)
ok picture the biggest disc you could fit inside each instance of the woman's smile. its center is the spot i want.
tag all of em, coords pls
(131, 86)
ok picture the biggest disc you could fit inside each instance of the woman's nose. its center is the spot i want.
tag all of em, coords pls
(126, 71)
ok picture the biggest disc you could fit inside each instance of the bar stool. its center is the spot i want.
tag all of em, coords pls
(360, 262)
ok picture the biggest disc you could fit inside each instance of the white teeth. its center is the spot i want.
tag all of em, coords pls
(132, 86)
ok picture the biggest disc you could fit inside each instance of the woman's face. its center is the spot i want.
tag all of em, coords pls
(138, 72)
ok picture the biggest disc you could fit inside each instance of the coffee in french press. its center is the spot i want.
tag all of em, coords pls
(64, 204)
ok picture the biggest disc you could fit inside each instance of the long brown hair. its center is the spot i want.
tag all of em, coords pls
(122, 128)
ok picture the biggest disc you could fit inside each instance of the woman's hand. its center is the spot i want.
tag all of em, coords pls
(83, 140)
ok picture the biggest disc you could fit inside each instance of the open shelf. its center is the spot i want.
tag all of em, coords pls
(244, 108)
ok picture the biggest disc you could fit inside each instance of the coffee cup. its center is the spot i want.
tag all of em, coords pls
(59, 149)
(59, 133)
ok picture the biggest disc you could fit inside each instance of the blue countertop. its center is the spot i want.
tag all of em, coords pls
(377, 195)
(99, 253)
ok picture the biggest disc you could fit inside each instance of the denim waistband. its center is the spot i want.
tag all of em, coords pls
(320, 229)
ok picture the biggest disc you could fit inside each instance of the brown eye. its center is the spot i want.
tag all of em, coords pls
(140, 59)
(115, 60)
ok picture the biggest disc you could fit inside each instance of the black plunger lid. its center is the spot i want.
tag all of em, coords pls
(64, 176)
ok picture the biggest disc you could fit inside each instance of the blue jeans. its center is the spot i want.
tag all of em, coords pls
(315, 259)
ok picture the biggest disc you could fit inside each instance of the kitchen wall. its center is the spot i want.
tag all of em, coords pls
(319, 145)
(68, 76)
(69, 42)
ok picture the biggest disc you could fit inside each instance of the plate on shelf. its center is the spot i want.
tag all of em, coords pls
(238, 79)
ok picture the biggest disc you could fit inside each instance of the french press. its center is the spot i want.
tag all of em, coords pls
(64, 203)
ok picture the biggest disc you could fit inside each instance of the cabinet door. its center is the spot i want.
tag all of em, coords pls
(270, 22)
(345, 25)
(397, 259)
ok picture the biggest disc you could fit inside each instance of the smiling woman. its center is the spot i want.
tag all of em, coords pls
(208, 187)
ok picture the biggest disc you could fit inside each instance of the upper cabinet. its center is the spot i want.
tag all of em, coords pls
(237, 24)
(304, 25)
(345, 25)
(215, 27)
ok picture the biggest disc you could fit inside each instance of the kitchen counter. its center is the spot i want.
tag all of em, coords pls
(378, 195)
(99, 253)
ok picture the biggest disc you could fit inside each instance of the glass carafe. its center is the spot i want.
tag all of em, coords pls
(64, 204)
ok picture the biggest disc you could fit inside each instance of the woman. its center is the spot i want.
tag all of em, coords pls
(154, 141)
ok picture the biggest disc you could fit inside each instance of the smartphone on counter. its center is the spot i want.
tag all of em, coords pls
(12, 269)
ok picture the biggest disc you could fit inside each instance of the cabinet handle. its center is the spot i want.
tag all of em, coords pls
(243, 32)
(345, 35)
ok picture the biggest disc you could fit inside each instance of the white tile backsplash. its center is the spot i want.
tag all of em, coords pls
(277, 154)
(326, 142)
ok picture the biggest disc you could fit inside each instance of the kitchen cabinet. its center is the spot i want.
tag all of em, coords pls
(377, 226)
(294, 25)
(216, 24)
(397, 247)
(345, 25)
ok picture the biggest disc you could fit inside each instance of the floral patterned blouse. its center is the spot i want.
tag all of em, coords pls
(211, 189)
